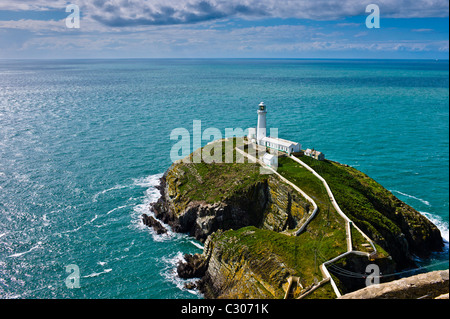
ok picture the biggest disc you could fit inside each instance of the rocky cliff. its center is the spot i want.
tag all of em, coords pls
(264, 202)
(247, 221)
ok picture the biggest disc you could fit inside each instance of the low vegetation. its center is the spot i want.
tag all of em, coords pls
(370, 206)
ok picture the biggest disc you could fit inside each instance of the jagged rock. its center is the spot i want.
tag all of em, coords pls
(194, 266)
(152, 222)
(190, 285)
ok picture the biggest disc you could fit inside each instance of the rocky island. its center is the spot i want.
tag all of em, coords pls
(249, 223)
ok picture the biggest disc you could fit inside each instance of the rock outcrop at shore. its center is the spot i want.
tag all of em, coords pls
(194, 266)
(153, 223)
(247, 221)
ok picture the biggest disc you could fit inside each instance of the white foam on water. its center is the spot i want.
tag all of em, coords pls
(96, 274)
(169, 273)
(196, 244)
(149, 181)
(45, 220)
(117, 187)
(140, 209)
(79, 227)
(151, 195)
(436, 220)
(115, 209)
(440, 224)
(130, 246)
(413, 197)
(38, 245)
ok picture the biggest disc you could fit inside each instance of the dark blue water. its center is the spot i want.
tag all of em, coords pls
(83, 143)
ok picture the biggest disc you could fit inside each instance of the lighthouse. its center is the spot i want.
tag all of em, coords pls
(258, 135)
(261, 128)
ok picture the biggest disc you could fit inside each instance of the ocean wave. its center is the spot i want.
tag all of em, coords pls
(413, 197)
(117, 187)
(37, 246)
(96, 274)
(117, 208)
(148, 181)
(196, 244)
(140, 209)
(440, 224)
(151, 195)
(79, 227)
(169, 273)
(46, 221)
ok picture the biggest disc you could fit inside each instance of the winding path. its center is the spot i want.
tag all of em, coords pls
(348, 224)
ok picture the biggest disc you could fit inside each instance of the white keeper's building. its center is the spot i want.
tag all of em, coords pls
(258, 135)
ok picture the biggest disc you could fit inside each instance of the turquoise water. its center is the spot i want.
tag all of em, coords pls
(83, 143)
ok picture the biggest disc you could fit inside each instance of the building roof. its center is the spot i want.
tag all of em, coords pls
(279, 141)
(268, 156)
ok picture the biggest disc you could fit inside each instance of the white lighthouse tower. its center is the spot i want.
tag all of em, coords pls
(258, 135)
(261, 128)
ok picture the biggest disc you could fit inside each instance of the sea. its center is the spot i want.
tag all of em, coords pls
(83, 144)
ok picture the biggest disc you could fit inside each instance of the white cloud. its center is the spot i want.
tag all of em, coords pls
(163, 12)
(361, 34)
(122, 32)
(33, 5)
(121, 13)
(34, 25)
(422, 30)
(176, 41)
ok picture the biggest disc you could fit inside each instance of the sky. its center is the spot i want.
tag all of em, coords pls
(408, 29)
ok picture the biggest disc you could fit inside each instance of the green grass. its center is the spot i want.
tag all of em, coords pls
(309, 183)
(362, 199)
(305, 180)
(325, 237)
(215, 182)
(303, 254)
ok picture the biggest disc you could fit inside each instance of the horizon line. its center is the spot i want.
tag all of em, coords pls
(226, 58)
